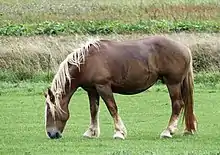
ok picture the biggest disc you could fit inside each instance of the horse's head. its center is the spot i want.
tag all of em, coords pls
(63, 86)
(56, 113)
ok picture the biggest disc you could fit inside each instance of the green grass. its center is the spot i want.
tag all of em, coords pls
(145, 116)
(206, 78)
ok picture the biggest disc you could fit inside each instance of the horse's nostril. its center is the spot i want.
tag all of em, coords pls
(58, 135)
(48, 133)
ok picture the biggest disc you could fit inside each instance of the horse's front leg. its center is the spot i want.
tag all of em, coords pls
(94, 129)
(105, 92)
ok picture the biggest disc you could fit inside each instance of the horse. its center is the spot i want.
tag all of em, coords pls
(102, 67)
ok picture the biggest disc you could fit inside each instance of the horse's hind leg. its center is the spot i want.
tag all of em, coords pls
(106, 93)
(177, 104)
(94, 129)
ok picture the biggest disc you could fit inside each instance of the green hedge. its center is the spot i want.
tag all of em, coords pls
(209, 78)
(108, 27)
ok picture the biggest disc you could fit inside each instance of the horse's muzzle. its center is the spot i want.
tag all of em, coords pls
(54, 134)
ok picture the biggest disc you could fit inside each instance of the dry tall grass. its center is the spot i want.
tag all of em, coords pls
(31, 11)
(37, 54)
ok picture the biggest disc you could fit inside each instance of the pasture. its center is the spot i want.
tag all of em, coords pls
(145, 116)
(27, 64)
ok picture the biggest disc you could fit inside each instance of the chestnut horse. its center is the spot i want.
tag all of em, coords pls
(104, 67)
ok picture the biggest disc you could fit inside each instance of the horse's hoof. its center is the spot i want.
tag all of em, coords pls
(186, 133)
(118, 135)
(91, 133)
(165, 134)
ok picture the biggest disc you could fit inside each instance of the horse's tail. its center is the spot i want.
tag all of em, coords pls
(187, 95)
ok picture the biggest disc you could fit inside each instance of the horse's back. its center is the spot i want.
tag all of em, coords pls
(158, 52)
(133, 66)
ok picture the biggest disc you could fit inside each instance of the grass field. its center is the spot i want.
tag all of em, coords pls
(145, 116)
(32, 11)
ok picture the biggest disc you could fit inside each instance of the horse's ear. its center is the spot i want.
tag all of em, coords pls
(50, 93)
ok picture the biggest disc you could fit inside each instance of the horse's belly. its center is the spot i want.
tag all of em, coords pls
(128, 91)
(136, 77)
(134, 87)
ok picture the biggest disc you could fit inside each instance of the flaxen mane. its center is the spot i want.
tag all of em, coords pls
(62, 76)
